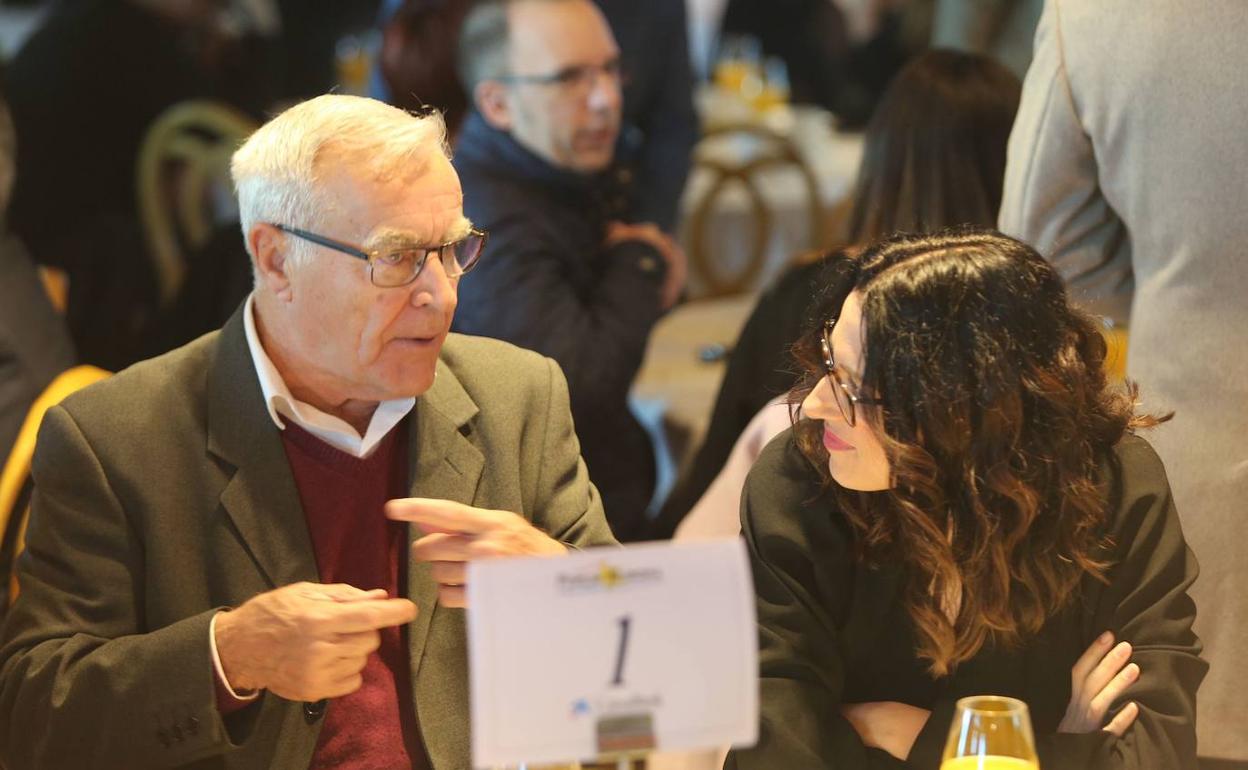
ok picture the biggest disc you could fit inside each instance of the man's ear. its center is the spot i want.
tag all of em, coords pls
(490, 97)
(269, 249)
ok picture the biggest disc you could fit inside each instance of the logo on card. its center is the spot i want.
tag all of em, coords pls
(623, 726)
(606, 577)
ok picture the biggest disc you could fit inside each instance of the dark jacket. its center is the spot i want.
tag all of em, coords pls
(546, 283)
(34, 345)
(832, 631)
(658, 101)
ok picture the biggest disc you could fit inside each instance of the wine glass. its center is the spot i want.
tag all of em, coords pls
(990, 732)
(738, 64)
(774, 86)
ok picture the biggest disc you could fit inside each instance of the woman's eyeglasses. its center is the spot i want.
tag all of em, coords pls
(846, 400)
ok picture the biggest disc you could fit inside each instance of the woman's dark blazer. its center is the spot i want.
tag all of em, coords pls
(833, 631)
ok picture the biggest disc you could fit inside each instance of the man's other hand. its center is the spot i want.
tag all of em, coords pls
(305, 641)
(457, 534)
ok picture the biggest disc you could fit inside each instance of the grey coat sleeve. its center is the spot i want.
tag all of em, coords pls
(1052, 198)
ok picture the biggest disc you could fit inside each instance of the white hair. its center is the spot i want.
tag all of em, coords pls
(277, 171)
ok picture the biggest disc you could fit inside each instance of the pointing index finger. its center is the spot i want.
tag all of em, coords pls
(442, 515)
(373, 614)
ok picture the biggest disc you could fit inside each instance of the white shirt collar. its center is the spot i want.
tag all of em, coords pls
(328, 428)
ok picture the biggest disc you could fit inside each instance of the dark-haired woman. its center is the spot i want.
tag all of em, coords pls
(933, 157)
(963, 508)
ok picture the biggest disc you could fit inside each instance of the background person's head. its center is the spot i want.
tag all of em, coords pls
(376, 178)
(934, 152)
(546, 72)
(993, 414)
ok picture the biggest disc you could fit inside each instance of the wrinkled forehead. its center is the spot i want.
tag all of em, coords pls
(378, 163)
(418, 206)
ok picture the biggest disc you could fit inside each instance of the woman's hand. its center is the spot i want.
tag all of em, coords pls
(1097, 679)
(887, 725)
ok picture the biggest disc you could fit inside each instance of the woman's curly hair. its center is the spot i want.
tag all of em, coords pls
(996, 417)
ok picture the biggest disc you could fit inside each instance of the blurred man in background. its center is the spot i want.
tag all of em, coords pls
(573, 273)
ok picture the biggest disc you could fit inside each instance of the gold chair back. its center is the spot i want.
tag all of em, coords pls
(16, 484)
(183, 182)
(771, 151)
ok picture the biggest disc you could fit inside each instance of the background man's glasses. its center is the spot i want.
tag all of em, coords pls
(398, 267)
(846, 401)
(575, 81)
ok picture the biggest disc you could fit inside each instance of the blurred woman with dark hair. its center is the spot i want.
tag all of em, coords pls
(934, 151)
(962, 508)
(933, 157)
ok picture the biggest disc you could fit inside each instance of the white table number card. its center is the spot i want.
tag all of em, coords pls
(612, 650)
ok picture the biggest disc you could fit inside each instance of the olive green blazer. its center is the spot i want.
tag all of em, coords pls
(163, 494)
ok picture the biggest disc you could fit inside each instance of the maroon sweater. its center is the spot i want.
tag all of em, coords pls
(373, 728)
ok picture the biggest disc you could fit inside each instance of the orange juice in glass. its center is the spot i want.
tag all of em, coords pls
(738, 61)
(990, 732)
(774, 90)
(730, 74)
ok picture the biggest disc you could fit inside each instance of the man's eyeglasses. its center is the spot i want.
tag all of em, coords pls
(575, 81)
(846, 400)
(390, 268)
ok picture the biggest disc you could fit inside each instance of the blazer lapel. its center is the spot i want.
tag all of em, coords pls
(443, 464)
(261, 497)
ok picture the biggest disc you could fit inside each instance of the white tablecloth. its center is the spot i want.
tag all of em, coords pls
(674, 375)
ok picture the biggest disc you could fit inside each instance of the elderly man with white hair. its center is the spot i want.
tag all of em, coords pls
(250, 552)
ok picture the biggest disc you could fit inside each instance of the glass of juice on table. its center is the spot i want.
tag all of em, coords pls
(990, 732)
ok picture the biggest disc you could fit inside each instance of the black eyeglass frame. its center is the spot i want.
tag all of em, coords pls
(829, 365)
(569, 75)
(371, 258)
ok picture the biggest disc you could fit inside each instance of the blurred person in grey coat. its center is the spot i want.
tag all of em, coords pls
(1126, 167)
(34, 343)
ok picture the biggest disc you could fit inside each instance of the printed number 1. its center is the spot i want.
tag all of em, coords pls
(625, 622)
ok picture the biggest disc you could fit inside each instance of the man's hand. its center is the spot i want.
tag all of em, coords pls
(457, 533)
(305, 641)
(887, 725)
(1098, 678)
(673, 255)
